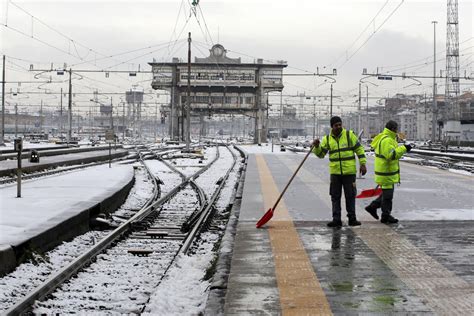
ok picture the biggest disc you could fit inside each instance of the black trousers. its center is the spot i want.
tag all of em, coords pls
(348, 182)
(384, 201)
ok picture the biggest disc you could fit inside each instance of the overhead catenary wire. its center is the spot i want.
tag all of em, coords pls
(360, 35)
(71, 40)
(371, 35)
(175, 24)
(422, 59)
(205, 24)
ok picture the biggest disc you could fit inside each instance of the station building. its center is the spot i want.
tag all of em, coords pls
(219, 85)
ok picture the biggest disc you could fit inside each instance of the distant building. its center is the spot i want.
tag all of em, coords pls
(219, 84)
(401, 102)
(290, 125)
(407, 121)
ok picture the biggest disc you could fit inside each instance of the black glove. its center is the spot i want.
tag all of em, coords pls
(408, 147)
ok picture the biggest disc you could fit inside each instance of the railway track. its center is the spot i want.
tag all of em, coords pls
(130, 261)
(441, 162)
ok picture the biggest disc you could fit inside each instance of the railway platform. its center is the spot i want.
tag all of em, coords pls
(64, 157)
(295, 265)
(57, 208)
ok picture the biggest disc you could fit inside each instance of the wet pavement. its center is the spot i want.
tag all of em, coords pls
(451, 243)
(353, 277)
(412, 268)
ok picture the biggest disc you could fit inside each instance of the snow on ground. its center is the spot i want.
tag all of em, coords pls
(31, 274)
(459, 155)
(191, 166)
(139, 194)
(434, 214)
(464, 172)
(183, 291)
(207, 180)
(170, 178)
(48, 201)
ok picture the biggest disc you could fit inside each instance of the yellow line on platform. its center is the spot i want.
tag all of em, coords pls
(298, 286)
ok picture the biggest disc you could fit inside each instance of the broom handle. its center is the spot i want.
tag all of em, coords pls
(292, 177)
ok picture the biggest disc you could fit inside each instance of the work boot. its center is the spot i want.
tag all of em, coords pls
(389, 219)
(334, 224)
(372, 211)
(354, 222)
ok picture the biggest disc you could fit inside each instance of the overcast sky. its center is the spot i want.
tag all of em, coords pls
(308, 34)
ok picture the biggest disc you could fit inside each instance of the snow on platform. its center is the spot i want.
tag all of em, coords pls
(49, 201)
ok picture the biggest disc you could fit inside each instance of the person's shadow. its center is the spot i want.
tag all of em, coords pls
(341, 269)
(342, 252)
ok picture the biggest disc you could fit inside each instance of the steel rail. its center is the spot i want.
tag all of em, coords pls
(72, 268)
(198, 226)
(204, 215)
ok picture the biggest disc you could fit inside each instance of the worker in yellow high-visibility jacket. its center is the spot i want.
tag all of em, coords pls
(342, 146)
(387, 170)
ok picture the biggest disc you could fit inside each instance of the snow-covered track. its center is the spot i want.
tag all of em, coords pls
(151, 231)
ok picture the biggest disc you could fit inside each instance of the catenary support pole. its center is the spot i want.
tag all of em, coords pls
(2, 138)
(188, 97)
(435, 104)
(69, 106)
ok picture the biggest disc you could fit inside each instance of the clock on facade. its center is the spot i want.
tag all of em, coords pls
(218, 50)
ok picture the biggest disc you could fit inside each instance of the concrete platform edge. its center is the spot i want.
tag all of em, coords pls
(218, 288)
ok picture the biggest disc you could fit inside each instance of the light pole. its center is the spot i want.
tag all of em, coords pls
(123, 121)
(314, 118)
(2, 139)
(330, 113)
(281, 108)
(16, 120)
(367, 113)
(435, 105)
(367, 133)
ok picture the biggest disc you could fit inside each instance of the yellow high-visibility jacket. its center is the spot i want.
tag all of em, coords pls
(387, 154)
(341, 151)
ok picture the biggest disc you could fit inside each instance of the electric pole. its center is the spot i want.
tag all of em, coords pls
(156, 120)
(41, 117)
(359, 109)
(16, 120)
(123, 122)
(368, 129)
(314, 119)
(2, 139)
(188, 98)
(69, 132)
(435, 105)
(111, 115)
(61, 115)
(330, 112)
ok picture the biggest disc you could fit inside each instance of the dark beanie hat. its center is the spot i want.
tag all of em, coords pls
(391, 125)
(335, 119)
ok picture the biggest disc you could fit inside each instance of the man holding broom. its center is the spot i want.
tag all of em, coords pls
(342, 146)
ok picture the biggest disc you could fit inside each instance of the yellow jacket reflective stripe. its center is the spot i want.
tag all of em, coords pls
(387, 154)
(342, 151)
